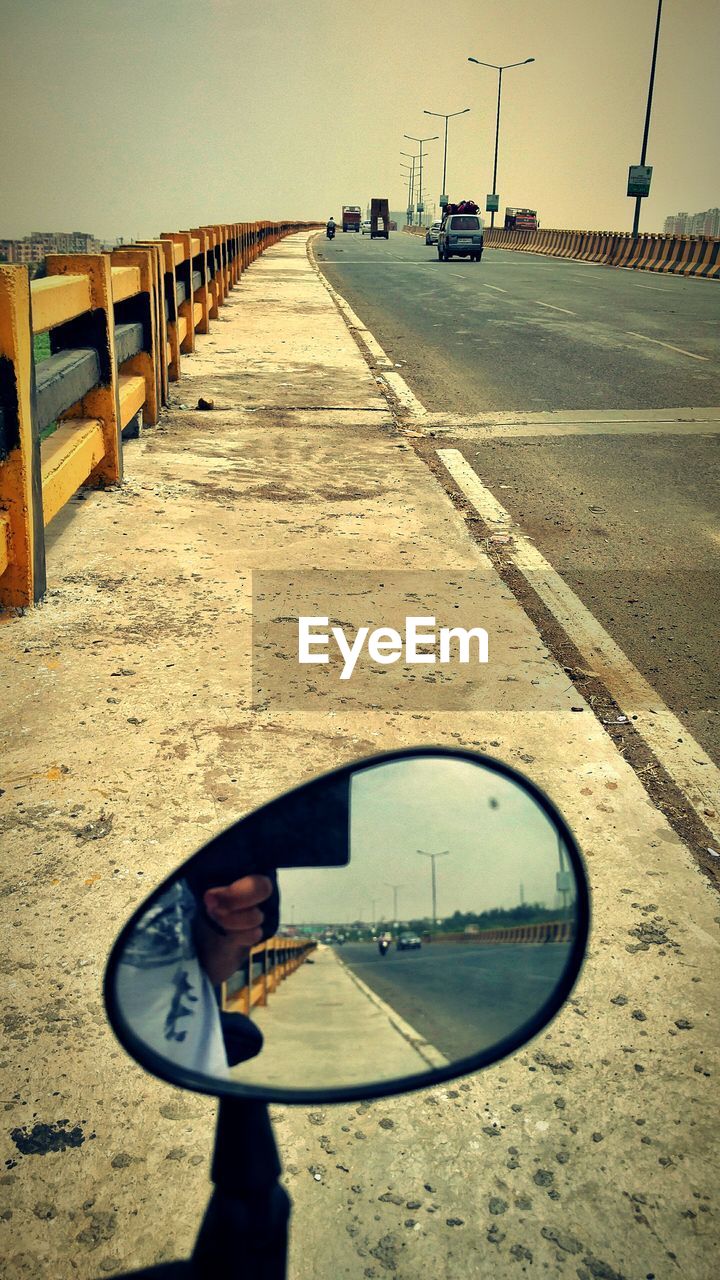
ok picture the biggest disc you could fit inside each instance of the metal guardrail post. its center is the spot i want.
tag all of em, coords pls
(94, 328)
(22, 534)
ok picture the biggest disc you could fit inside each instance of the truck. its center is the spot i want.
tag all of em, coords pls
(379, 213)
(521, 220)
(351, 217)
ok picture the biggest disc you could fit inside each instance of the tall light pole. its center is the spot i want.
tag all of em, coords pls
(433, 856)
(446, 117)
(434, 138)
(394, 888)
(506, 66)
(639, 198)
(410, 156)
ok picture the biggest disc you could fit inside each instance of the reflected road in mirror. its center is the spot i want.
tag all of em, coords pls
(446, 931)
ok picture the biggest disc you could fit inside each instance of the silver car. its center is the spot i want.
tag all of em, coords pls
(461, 236)
(431, 235)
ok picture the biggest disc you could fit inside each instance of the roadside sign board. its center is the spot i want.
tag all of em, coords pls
(492, 203)
(419, 208)
(443, 201)
(639, 176)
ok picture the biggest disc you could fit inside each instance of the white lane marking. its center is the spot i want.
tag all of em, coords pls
(496, 287)
(655, 288)
(427, 1051)
(678, 752)
(552, 308)
(669, 345)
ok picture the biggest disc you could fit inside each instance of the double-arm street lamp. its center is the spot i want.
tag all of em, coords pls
(434, 138)
(500, 70)
(445, 116)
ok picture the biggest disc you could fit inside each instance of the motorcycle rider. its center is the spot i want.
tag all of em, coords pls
(330, 228)
(384, 943)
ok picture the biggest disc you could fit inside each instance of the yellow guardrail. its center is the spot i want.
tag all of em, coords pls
(278, 957)
(119, 324)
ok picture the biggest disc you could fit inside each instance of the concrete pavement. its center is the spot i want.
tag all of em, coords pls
(323, 1028)
(130, 736)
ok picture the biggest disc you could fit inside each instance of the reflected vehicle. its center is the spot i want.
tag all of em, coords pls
(409, 942)
(462, 846)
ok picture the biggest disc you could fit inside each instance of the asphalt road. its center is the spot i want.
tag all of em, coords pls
(625, 506)
(460, 997)
(521, 331)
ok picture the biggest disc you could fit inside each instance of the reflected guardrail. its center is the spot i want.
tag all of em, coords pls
(260, 975)
(118, 325)
(544, 931)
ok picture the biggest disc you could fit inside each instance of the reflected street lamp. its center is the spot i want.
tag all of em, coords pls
(394, 888)
(434, 138)
(506, 66)
(433, 856)
(446, 117)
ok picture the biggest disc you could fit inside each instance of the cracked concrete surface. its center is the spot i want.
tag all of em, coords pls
(129, 736)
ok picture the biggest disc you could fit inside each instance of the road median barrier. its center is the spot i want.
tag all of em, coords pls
(677, 255)
(261, 973)
(118, 324)
(541, 932)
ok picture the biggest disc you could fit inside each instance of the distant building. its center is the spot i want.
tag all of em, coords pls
(34, 248)
(706, 223)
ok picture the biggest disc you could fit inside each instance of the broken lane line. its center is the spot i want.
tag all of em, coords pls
(552, 308)
(496, 287)
(673, 745)
(669, 345)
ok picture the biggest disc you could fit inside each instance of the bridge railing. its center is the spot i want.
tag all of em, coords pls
(261, 973)
(118, 325)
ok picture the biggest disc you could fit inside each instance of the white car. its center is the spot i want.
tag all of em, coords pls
(365, 227)
(431, 235)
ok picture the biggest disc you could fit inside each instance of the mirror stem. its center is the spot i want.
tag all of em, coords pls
(244, 1231)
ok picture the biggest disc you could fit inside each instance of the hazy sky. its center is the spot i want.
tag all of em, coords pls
(496, 838)
(129, 117)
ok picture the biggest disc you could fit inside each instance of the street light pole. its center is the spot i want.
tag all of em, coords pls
(639, 199)
(434, 138)
(505, 67)
(433, 856)
(412, 182)
(394, 888)
(446, 116)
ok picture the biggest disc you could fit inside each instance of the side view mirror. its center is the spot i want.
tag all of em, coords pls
(426, 913)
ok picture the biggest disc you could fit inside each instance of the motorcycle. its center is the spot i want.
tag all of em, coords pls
(383, 946)
(330, 233)
(188, 1003)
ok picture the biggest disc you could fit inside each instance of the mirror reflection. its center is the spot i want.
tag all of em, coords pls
(445, 928)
